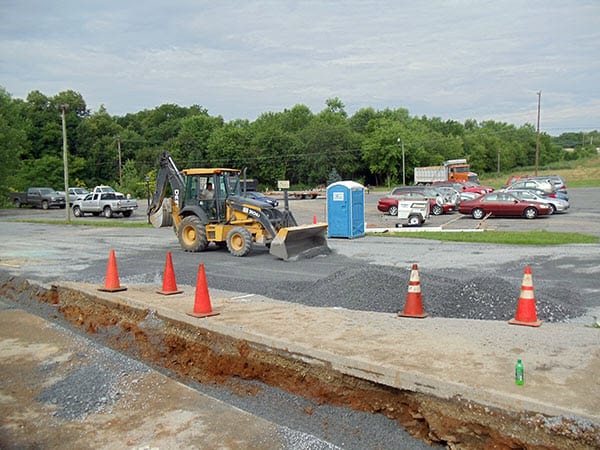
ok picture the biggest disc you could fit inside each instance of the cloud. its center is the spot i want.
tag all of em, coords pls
(455, 60)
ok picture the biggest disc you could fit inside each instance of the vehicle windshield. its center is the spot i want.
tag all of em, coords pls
(46, 191)
(461, 169)
(232, 182)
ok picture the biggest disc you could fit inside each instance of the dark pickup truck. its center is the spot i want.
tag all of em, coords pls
(40, 197)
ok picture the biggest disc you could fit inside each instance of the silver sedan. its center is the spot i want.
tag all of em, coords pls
(557, 204)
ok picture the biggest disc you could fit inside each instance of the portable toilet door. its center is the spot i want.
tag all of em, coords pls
(345, 209)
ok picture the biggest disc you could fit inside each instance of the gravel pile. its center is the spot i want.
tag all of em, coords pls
(384, 289)
(97, 377)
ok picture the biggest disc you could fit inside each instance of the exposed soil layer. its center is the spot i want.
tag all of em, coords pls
(194, 353)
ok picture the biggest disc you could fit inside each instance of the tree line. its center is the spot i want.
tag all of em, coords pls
(306, 148)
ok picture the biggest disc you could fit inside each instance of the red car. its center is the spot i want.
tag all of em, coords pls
(503, 204)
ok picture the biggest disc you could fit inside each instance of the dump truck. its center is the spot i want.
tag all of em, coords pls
(208, 205)
(452, 169)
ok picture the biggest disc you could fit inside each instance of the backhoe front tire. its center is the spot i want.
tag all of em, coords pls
(239, 241)
(192, 235)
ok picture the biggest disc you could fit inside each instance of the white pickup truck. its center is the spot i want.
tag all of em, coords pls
(105, 203)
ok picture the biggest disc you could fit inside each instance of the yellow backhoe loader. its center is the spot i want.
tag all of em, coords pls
(208, 205)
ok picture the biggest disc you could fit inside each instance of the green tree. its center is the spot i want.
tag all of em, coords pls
(44, 171)
(272, 149)
(228, 146)
(193, 137)
(98, 140)
(333, 177)
(132, 182)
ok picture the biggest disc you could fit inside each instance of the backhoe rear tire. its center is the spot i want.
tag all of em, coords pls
(239, 241)
(192, 235)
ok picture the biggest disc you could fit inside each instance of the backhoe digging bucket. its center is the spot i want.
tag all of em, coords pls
(302, 240)
(162, 217)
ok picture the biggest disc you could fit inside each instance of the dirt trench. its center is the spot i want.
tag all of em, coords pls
(194, 353)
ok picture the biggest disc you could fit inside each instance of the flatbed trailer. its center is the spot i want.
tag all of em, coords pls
(299, 195)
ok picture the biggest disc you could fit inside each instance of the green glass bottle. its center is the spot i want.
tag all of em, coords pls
(519, 377)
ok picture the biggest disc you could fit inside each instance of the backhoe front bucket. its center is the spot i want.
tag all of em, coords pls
(301, 240)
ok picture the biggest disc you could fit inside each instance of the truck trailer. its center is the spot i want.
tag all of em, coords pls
(453, 170)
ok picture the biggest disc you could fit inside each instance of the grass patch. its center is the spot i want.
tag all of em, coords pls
(502, 237)
(86, 223)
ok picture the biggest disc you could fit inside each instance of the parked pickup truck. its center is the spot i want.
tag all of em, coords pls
(105, 203)
(41, 197)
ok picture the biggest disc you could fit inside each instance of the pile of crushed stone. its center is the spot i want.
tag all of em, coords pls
(384, 289)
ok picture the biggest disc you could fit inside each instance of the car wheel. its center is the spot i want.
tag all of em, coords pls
(17, 203)
(552, 208)
(393, 211)
(530, 213)
(77, 211)
(437, 210)
(45, 205)
(192, 235)
(477, 213)
(239, 241)
(107, 212)
(414, 220)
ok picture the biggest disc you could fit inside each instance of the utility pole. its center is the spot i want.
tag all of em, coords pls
(537, 140)
(403, 165)
(63, 109)
(120, 169)
(498, 161)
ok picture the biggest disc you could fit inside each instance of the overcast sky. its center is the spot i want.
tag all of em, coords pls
(456, 60)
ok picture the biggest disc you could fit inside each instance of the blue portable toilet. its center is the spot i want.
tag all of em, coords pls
(345, 209)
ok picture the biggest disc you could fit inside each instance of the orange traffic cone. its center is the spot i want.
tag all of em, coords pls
(526, 313)
(202, 306)
(111, 284)
(169, 283)
(414, 302)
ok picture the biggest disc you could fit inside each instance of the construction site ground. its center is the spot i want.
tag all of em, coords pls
(446, 381)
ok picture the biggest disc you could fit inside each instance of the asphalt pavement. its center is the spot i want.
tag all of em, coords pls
(48, 254)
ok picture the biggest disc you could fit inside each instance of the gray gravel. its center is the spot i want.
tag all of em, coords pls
(93, 384)
(384, 289)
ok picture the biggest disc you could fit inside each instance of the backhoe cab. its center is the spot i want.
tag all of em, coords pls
(207, 205)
